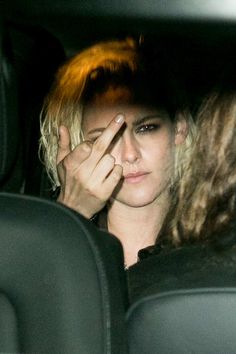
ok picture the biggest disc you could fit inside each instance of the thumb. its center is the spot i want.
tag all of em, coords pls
(64, 146)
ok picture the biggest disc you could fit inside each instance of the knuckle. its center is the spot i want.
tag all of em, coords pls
(91, 190)
(116, 176)
(99, 145)
(85, 146)
(96, 193)
(66, 163)
(109, 159)
(117, 173)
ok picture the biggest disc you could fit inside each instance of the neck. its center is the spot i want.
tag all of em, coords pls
(136, 227)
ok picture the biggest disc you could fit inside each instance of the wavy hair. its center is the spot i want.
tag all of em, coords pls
(206, 195)
(106, 61)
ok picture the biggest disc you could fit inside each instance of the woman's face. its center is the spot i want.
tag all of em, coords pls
(144, 147)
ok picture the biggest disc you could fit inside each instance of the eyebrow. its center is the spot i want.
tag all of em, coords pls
(96, 130)
(138, 121)
(142, 120)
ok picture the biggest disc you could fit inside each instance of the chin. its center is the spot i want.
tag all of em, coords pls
(136, 200)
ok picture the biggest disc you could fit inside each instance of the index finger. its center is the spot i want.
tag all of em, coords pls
(102, 143)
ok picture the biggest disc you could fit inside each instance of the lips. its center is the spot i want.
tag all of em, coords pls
(135, 177)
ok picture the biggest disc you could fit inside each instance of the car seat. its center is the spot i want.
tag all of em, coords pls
(201, 321)
(189, 308)
(62, 281)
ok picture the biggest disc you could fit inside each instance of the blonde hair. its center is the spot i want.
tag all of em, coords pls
(64, 103)
(206, 195)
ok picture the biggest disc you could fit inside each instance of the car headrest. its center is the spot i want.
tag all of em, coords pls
(184, 321)
(62, 281)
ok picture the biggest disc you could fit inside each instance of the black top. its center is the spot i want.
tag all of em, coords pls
(190, 266)
(163, 268)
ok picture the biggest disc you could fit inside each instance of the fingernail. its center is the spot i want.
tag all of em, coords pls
(120, 118)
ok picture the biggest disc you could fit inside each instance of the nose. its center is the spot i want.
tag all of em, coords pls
(129, 149)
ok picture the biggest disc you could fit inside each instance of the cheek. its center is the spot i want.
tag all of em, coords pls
(161, 159)
(161, 148)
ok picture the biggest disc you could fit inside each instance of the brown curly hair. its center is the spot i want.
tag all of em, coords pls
(205, 201)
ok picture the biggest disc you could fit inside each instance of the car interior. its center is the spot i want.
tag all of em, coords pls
(63, 285)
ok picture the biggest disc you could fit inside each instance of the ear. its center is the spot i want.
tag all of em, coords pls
(181, 131)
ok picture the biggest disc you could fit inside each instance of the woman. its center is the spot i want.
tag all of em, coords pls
(199, 234)
(114, 126)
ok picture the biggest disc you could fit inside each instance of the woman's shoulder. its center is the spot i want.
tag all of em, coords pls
(168, 268)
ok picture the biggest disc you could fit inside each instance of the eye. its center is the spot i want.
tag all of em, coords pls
(147, 128)
(94, 138)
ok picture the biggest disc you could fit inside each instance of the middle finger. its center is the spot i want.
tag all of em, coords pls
(102, 143)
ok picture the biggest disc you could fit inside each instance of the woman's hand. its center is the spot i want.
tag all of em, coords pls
(88, 175)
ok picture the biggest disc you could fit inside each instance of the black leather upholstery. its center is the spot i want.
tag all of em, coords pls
(184, 300)
(62, 281)
(201, 321)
